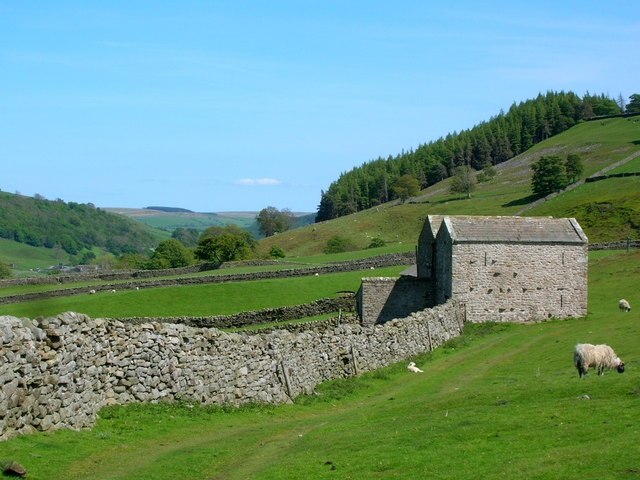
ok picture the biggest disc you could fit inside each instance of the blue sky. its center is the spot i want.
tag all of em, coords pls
(220, 106)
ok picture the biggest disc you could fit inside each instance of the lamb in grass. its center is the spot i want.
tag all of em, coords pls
(624, 305)
(412, 368)
(600, 357)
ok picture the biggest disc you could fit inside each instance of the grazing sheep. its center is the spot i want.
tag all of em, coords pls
(113, 291)
(624, 305)
(586, 355)
(412, 368)
(92, 292)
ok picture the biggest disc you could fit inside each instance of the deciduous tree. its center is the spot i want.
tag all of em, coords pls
(224, 244)
(187, 236)
(405, 186)
(573, 167)
(548, 175)
(463, 181)
(170, 253)
(271, 220)
(222, 248)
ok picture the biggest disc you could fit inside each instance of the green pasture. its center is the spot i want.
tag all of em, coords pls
(200, 300)
(286, 264)
(607, 210)
(500, 402)
(19, 289)
(630, 167)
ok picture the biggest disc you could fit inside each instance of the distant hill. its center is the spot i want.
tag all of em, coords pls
(607, 210)
(491, 142)
(169, 209)
(169, 218)
(72, 227)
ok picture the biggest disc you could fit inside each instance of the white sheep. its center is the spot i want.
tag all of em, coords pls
(412, 368)
(624, 305)
(586, 355)
(113, 291)
(92, 292)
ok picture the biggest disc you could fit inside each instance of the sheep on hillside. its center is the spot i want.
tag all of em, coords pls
(586, 355)
(92, 292)
(412, 368)
(624, 305)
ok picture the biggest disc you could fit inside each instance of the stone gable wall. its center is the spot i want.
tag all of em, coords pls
(381, 299)
(517, 283)
(59, 371)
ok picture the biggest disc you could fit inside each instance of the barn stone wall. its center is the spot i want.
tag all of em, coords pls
(381, 299)
(58, 372)
(517, 283)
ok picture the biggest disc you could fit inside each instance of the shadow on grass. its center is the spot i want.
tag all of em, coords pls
(521, 201)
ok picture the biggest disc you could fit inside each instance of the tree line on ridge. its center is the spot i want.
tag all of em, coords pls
(489, 143)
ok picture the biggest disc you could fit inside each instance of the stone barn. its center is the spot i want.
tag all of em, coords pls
(505, 269)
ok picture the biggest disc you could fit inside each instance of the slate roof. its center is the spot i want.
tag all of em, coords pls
(514, 229)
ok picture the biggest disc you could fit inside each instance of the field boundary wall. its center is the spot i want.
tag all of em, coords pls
(59, 371)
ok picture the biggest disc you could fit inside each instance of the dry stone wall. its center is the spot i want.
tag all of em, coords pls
(58, 372)
(266, 315)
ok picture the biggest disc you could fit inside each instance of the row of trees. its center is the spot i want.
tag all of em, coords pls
(488, 143)
(215, 244)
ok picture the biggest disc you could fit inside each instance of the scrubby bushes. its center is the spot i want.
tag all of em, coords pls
(338, 244)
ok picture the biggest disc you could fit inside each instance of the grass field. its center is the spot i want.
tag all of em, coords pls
(607, 210)
(199, 300)
(503, 401)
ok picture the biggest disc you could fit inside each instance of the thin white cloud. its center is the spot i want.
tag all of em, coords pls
(257, 181)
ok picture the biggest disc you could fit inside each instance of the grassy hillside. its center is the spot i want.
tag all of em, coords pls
(500, 402)
(72, 228)
(169, 221)
(600, 143)
(24, 256)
